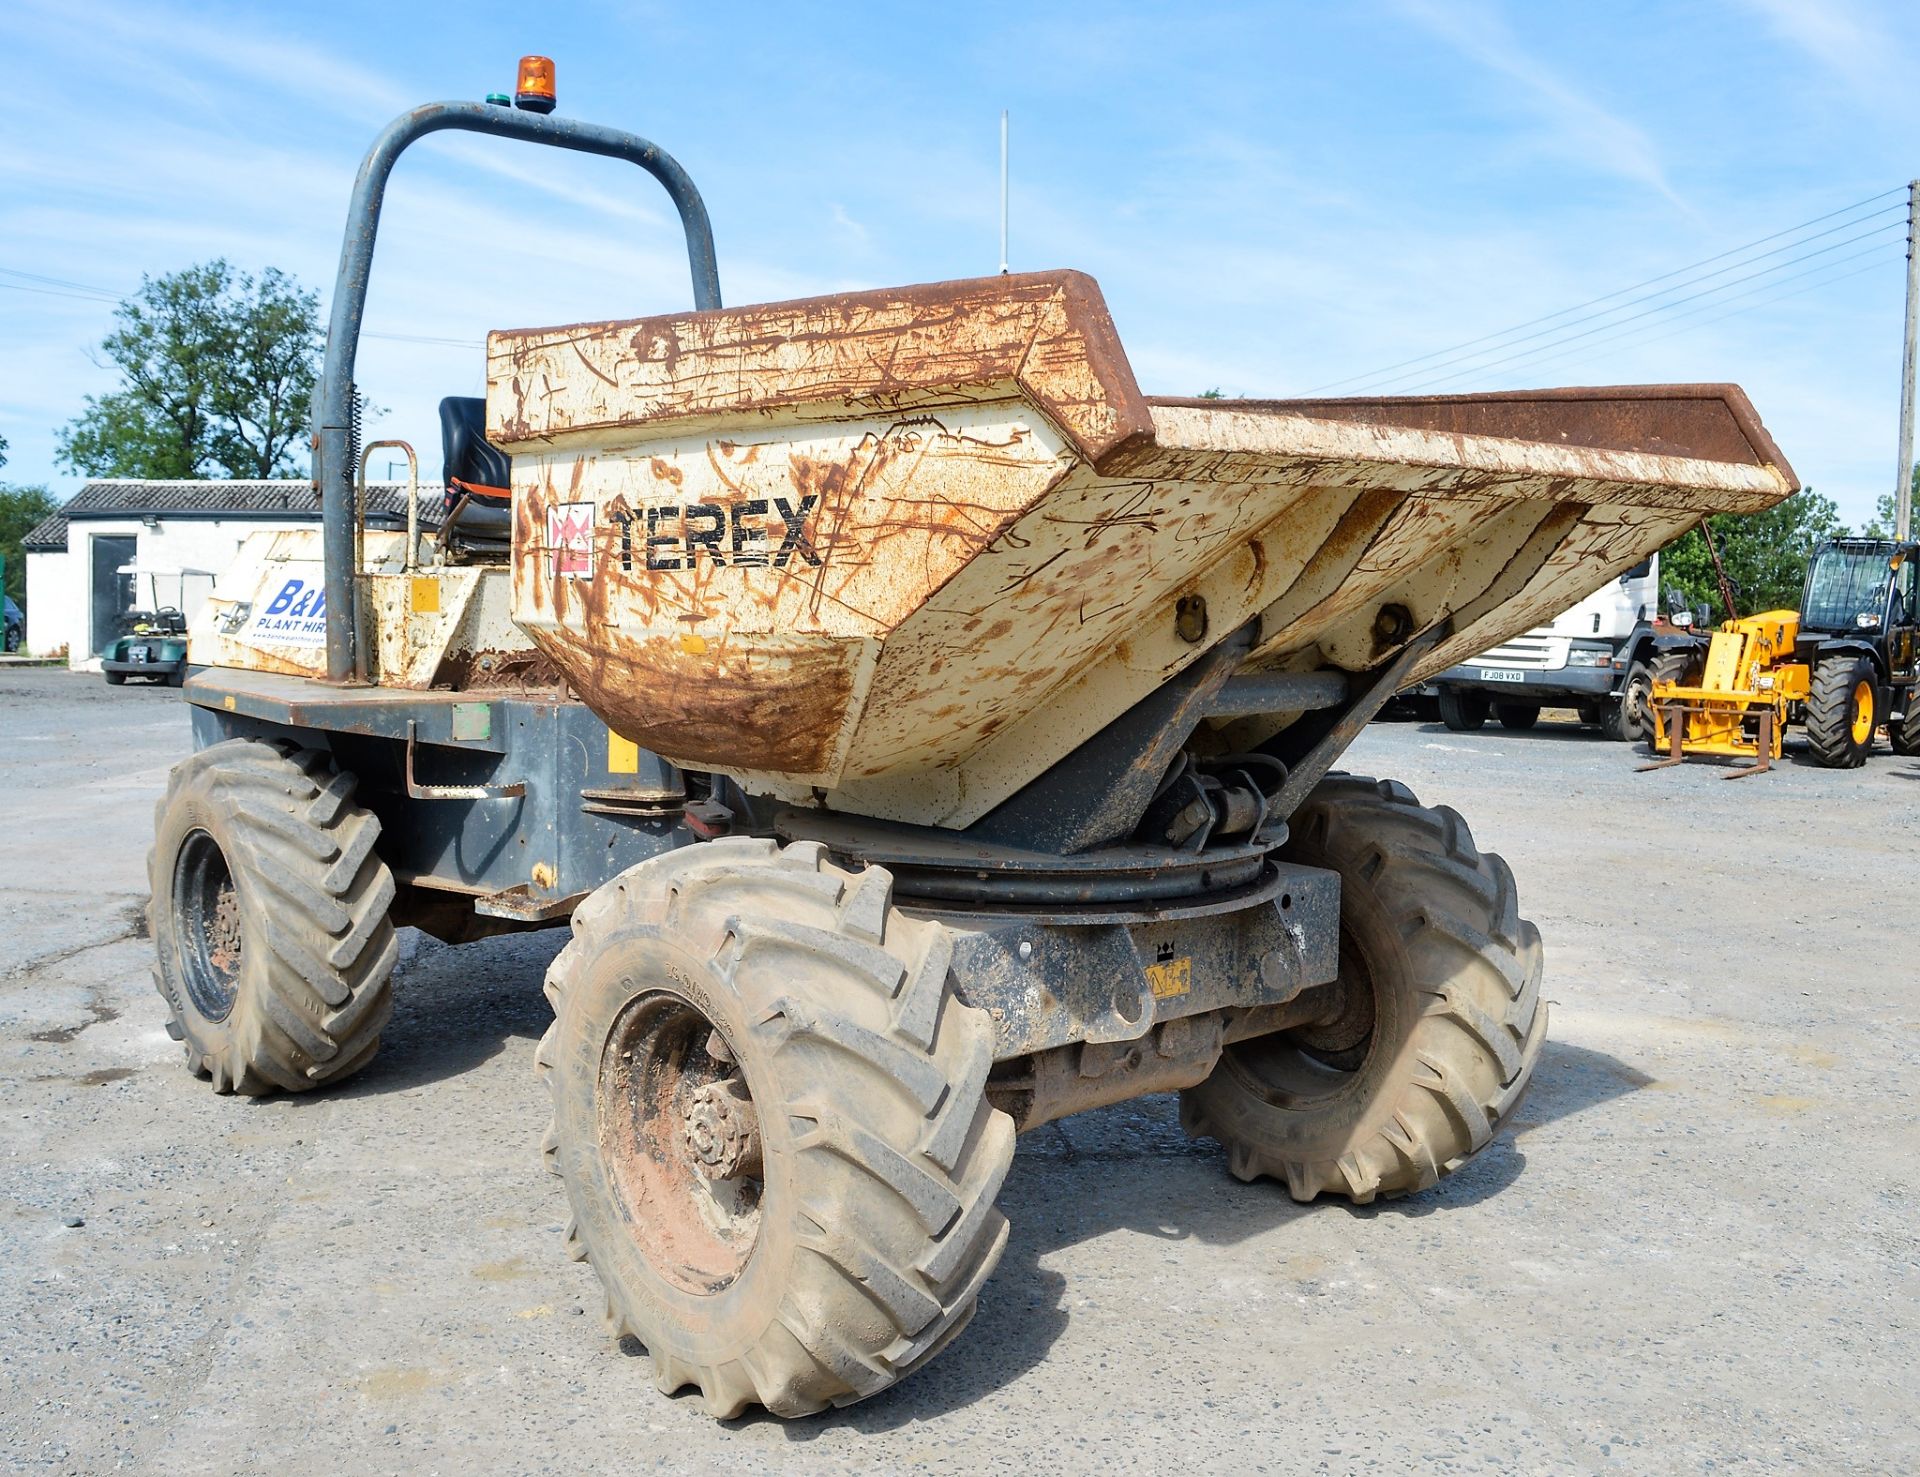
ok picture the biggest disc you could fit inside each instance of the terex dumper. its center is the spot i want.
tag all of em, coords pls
(928, 735)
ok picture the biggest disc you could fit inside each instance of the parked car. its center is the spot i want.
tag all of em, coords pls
(16, 625)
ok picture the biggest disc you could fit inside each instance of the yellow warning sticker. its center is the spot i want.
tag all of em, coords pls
(425, 595)
(623, 755)
(1170, 978)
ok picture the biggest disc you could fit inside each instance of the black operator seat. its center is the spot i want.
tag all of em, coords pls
(476, 472)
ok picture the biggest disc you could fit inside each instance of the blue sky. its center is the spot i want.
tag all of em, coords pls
(1274, 197)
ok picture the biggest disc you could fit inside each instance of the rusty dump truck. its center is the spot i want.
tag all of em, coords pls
(926, 735)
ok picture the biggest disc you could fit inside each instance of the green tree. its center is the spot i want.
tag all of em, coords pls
(20, 509)
(217, 371)
(1765, 555)
(1882, 524)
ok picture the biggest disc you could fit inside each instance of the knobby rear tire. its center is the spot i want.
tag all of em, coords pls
(1432, 925)
(1675, 668)
(1904, 732)
(296, 990)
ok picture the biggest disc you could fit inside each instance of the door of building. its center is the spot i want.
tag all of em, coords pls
(111, 593)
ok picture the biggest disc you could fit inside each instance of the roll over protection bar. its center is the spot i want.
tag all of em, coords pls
(333, 469)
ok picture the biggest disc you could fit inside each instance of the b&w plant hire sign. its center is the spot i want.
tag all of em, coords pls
(296, 613)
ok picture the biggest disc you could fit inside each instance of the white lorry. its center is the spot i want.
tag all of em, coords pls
(1593, 657)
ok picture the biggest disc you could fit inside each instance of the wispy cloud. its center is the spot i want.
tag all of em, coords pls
(855, 233)
(158, 43)
(1584, 129)
(185, 50)
(1844, 41)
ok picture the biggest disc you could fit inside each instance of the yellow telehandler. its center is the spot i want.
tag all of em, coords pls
(1840, 666)
(1733, 702)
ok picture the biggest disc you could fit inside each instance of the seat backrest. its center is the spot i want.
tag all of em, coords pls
(472, 463)
(475, 470)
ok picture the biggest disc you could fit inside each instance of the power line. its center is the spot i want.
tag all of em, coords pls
(1560, 335)
(1641, 342)
(52, 281)
(1622, 292)
(421, 338)
(1677, 302)
(85, 297)
(1608, 297)
(1637, 336)
(1552, 354)
(86, 292)
(1764, 302)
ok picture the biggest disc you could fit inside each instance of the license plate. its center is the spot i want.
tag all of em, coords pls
(1494, 674)
(137, 653)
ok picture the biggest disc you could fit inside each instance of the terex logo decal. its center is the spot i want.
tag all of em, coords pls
(570, 540)
(677, 537)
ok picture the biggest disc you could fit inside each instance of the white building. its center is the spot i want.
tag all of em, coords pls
(76, 592)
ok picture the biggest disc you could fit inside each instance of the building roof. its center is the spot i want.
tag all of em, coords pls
(48, 536)
(287, 498)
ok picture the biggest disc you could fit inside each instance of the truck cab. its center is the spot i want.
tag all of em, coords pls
(1593, 657)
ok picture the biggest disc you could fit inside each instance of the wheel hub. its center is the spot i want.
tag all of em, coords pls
(1343, 1033)
(722, 1132)
(1636, 702)
(208, 928)
(223, 937)
(1319, 1059)
(680, 1141)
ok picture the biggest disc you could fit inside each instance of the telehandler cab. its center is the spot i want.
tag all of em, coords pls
(927, 735)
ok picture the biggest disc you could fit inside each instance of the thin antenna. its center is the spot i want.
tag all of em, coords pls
(1903, 483)
(1003, 192)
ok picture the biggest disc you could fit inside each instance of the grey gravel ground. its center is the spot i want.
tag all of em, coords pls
(1697, 1252)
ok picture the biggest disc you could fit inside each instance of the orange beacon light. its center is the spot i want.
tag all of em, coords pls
(534, 92)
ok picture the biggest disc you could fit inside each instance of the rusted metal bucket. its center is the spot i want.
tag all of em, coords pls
(910, 547)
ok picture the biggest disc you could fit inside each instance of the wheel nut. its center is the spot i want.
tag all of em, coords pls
(723, 1134)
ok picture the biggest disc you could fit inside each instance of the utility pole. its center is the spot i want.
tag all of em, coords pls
(1003, 236)
(1903, 489)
